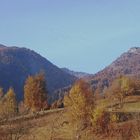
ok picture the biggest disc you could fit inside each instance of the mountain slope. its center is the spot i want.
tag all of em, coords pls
(76, 74)
(17, 63)
(127, 64)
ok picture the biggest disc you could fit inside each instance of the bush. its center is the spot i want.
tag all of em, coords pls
(114, 118)
(100, 120)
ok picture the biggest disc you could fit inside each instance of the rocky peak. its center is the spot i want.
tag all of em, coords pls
(135, 50)
(127, 64)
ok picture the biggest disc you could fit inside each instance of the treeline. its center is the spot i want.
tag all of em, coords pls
(83, 106)
(80, 100)
(35, 97)
(122, 87)
(86, 110)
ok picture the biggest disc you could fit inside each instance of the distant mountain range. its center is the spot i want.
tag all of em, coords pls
(127, 64)
(16, 64)
(77, 74)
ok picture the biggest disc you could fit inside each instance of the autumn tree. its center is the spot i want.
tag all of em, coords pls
(1, 93)
(100, 119)
(35, 92)
(80, 101)
(120, 88)
(135, 86)
(8, 104)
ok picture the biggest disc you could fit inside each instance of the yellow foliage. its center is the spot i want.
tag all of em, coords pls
(35, 92)
(120, 88)
(8, 104)
(114, 118)
(79, 101)
(96, 114)
(100, 119)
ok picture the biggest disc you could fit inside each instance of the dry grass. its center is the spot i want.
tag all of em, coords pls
(56, 126)
(131, 104)
(52, 127)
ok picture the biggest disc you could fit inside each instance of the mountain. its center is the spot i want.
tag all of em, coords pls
(76, 74)
(16, 64)
(127, 64)
(2, 46)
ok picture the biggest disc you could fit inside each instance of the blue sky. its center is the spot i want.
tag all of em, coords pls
(83, 35)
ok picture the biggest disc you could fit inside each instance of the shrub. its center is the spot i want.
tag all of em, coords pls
(100, 120)
(114, 117)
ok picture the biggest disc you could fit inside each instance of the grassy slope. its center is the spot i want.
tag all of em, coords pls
(131, 104)
(54, 125)
(64, 131)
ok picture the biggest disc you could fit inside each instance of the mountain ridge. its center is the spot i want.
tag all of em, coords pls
(77, 74)
(127, 64)
(16, 64)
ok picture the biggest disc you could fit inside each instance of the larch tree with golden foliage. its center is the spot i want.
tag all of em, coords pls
(80, 101)
(1, 93)
(120, 88)
(35, 92)
(10, 103)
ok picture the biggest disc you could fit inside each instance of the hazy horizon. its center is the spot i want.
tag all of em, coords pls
(82, 35)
